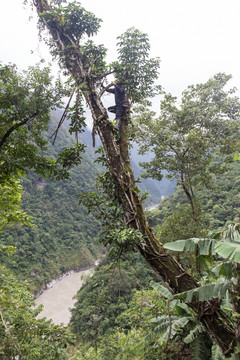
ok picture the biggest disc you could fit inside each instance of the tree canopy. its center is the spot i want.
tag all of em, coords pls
(186, 138)
(26, 99)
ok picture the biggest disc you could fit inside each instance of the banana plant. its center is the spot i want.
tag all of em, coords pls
(222, 247)
(179, 324)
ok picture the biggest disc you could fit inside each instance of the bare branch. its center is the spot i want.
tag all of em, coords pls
(16, 126)
(63, 117)
(104, 89)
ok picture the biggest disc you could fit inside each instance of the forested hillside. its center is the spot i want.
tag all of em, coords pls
(64, 235)
(107, 295)
(219, 205)
(156, 189)
(119, 309)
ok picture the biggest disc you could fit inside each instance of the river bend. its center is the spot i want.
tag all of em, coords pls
(58, 299)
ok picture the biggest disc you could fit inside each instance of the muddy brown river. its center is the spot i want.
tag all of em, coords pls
(58, 299)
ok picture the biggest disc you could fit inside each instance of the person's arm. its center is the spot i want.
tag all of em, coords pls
(120, 88)
(111, 90)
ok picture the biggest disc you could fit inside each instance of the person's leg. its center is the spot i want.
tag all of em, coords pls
(119, 113)
(112, 109)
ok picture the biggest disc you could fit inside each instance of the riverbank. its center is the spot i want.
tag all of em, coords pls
(58, 298)
(62, 276)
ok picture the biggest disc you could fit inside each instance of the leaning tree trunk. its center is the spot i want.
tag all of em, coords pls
(218, 326)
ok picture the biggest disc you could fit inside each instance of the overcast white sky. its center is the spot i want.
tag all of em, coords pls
(194, 38)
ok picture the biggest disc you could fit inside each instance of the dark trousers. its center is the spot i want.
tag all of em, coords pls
(118, 110)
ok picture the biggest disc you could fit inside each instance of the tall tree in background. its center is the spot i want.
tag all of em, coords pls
(26, 100)
(69, 27)
(186, 139)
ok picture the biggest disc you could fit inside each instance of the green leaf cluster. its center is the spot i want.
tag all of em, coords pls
(26, 99)
(73, 19)
(225, 247)
(134, 67)
(106, 208)
(10, 204)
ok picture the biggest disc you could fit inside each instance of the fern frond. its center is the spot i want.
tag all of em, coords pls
(216, 353)
(199, 349)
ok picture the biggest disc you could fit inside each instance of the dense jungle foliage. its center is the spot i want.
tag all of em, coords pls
(64, 235)
(120, 312)
(189, 307)
(217, 205)
(111, 290)
(134, 324)
(117, 310)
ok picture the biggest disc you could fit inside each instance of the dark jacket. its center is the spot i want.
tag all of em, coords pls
(120, 96)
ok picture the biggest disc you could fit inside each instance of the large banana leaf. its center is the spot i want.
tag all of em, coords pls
(228, 250)
(183, 309)
(195, 245)
(206, 292)
(225, 268)
(198, 329)
(162, 290)
(231, 233)
(177, 324)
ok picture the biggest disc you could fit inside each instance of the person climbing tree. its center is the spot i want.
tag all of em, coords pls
(120, 100)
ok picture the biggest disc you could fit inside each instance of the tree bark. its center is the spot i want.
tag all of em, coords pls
(218, 326)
